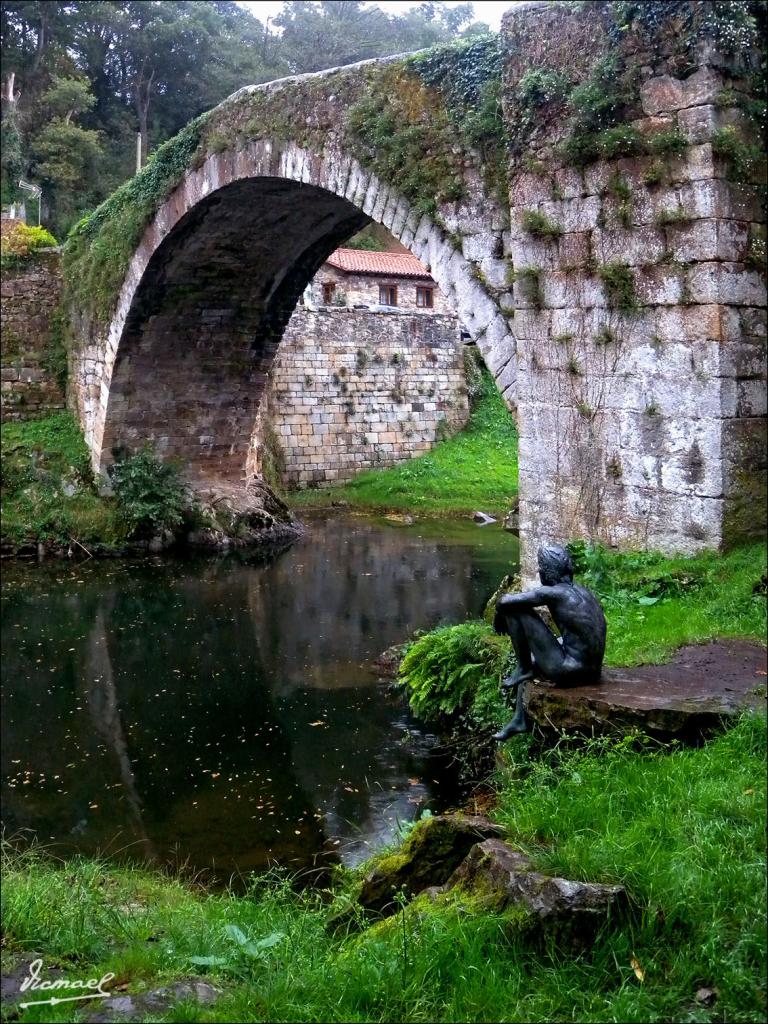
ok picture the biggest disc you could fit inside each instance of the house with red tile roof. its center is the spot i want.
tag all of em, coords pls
(377, 280)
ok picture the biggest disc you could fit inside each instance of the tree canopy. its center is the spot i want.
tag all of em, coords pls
(81, 79)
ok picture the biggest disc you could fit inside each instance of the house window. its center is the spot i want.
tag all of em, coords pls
(329, 287)
(387, 295)
(425, 297)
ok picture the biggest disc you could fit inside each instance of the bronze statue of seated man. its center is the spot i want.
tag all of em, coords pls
(572, 659)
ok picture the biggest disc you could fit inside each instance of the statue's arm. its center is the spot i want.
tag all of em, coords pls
(528, 599)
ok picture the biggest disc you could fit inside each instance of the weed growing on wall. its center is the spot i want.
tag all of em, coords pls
(100, 246)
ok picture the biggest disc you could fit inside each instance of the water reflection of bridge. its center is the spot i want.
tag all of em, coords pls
(220, 713)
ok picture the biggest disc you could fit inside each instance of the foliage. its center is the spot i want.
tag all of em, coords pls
(48, 492)
(618, 280)
(122, 66)
(683, 829)
(99, 247)
(364, 240)
(404, 136)
(150, 494)
(538, 87)
(743, 157)
(455, 670)
(539, 225)
(19, 244)
(468, 77)
(477, 468)
(655, 603)
(666, 141)
(474, 374)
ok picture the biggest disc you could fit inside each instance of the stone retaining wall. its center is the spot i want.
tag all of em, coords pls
(31, 351)
(353, 389)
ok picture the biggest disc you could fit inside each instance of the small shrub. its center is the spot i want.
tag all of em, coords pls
(618, 186)
(605, 336)
(539, 225)
(150, 495)
(668, 142)
(666, 218)
(655, 174)
(619, 283)
(456, 670)
(537, 87)
(473, 374)
(530, 280)
(563, 339)
(621, 140)
(742, 157)
(624, 214)
(18, 244)
(573, 367)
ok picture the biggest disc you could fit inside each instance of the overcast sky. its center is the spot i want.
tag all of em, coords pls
(489, 11)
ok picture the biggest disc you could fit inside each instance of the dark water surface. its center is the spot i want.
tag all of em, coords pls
(223, 715)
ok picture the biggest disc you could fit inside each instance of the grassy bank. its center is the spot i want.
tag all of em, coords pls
(48, 493)
(653, 605)
(684, 831)
(474, 470)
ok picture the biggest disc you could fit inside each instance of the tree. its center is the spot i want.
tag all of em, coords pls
(66, 158)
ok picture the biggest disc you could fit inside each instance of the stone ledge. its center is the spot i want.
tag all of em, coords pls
(687, 699)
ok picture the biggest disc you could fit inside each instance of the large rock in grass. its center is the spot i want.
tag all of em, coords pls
(426, 859)
(691, 697)
(504, 878)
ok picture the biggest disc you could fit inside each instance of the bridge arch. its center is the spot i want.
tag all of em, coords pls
(213, 283)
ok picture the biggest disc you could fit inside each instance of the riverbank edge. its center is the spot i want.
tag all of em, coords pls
(151, 930)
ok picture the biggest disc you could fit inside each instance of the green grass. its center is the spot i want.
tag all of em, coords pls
(655, 604)
(474, 470)
(683, 830)
(48, 492)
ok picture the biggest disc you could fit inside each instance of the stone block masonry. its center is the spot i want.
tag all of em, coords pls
(29, 299)
(354, 389)
(640, 327)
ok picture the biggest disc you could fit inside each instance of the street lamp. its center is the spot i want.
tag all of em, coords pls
(36, 191)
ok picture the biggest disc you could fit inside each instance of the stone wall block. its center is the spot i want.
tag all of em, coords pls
(529, 189)
(727, 284)
(662, 285)
(636, 248)
(573, 214)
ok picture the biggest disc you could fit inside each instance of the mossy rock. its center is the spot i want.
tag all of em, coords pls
(427, 858)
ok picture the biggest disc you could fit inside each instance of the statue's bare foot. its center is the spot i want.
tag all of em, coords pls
(517, 725)
(513, 681)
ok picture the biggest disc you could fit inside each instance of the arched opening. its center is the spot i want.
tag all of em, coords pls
(207, 318)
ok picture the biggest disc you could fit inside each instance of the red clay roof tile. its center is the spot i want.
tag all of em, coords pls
(391, 264)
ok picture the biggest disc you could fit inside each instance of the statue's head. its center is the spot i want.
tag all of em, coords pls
(555, 564)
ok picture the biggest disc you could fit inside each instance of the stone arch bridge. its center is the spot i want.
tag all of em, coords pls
(608, 279)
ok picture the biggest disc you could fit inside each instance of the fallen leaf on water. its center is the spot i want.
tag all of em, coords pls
(318, 722)
(639, 972)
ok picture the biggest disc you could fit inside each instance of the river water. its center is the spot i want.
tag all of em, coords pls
(221, 715)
